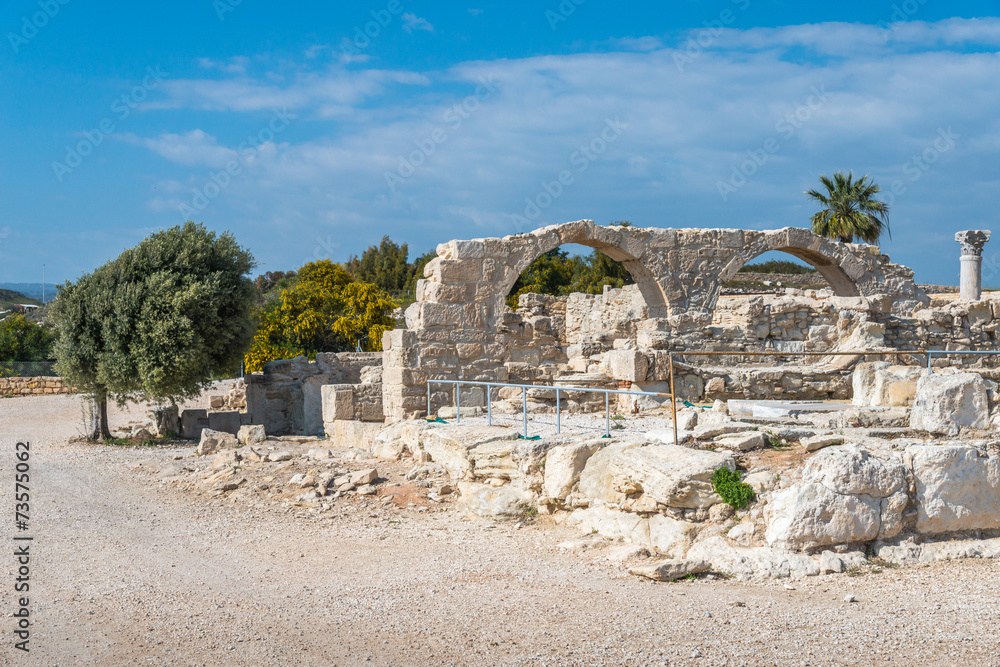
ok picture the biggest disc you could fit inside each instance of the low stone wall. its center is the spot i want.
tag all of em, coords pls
(21, 386)
(286, 398)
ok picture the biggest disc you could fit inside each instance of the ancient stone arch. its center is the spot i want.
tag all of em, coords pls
(454, 329)
(843, 265)
(677, 270)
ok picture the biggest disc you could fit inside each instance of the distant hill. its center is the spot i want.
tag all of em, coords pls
(9, 297)
(32, 290)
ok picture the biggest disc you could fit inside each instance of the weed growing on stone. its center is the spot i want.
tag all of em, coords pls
(728, 484)
(774, 442)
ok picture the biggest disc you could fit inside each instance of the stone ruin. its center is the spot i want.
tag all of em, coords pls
(881, 473)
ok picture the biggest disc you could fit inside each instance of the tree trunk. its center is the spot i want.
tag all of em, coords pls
(99, 416)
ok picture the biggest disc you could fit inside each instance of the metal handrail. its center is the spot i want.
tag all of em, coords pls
(944, 353)
(524, 398)
(672, 395)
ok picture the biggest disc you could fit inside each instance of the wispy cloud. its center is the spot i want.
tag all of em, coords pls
(887, 101)
(413, 22)
(192, 149)
(332, 90)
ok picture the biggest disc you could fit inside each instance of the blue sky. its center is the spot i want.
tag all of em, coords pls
(307, 138)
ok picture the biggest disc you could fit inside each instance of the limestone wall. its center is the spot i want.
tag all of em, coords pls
(286, 398)
(28, 386)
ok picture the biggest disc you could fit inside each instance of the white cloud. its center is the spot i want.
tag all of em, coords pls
(686, 129)
(335, 87)
(193, 149)
(413, 22)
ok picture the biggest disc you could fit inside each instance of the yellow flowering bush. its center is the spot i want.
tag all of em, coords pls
(325, 311)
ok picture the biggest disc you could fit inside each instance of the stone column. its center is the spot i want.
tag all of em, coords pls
(972, 241)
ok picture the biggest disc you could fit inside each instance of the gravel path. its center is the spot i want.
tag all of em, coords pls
(127, 570)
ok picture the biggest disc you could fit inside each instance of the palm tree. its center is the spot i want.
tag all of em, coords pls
(850, 209)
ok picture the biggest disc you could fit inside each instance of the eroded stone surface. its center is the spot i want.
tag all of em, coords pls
(669, 475)
(946, 402)
(956, 488)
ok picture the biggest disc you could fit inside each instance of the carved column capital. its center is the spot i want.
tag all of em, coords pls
(973, 240)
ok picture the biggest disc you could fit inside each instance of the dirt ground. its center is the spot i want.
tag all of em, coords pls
(129, 569)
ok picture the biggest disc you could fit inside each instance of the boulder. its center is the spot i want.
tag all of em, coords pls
(830, 563)
(817, 442)
(669, 536)
(880, 384)
(227, 457)
(956, 488)
(166, 420)
(670, 570)
(251, 434)
(213, 441)
(745, 563)
(563, 466)
(741, 442)
(596, 482)
(945, 402)
(361, 477)
(450, 446)
(489, 502)
(687, 420)
(846, 496)
(669, 475)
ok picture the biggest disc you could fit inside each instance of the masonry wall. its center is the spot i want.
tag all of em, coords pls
(30, 386)
(286, 398)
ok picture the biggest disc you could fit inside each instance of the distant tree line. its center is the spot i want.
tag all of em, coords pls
(778, 266)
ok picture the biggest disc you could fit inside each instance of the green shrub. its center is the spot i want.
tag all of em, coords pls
(727, 483)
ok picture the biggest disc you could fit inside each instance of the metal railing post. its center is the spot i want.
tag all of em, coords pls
(607, 414)
(489, 404)
(524, 409)
(558, 419)
(458, 402)
(673, 395)
(429, 398)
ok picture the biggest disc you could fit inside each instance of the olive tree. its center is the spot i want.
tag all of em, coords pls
(158, 322)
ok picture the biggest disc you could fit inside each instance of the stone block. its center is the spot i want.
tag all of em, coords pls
(880, 384)
(956, 488)
(669, 475)
(946, 402)
(627, 365)
(338, 402)
(227, 422)
(500, 503)
(192, 423)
